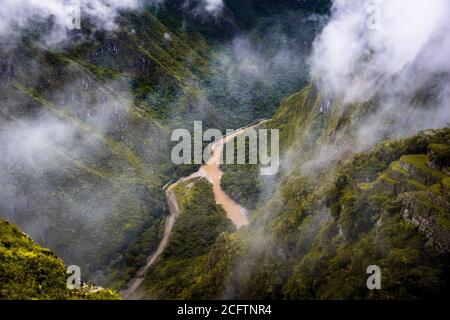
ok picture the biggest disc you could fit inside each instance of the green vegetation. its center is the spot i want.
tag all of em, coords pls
(28, 271)
(183, 263)
(98, 201)
(241, 181)
(102, 196)
(439, 155)
(318, 233)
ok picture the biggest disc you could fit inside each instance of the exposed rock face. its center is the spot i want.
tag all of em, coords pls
(439, 157)
(423, 214)
(429, 210)
(421, 183)
(419, 174)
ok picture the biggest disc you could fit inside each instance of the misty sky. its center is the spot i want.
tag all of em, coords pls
(17, 14)
(368, 42)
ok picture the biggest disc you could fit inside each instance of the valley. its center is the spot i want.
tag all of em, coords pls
(87, 124)
(211, 172)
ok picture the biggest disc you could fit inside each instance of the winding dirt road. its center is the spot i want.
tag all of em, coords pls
(130, 292)
(210, 171)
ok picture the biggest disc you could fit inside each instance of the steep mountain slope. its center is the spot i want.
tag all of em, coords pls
(318, 227)
(260, 56)
(85, 160)
(85, 124)
(85, 156)
(236, 16)
(201, 221)
(334, 216)
(28, 271)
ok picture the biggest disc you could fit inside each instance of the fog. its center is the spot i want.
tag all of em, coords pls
(63, 14)
(367, 43)
(386, 59)
(393, 54)
(64, 180)
(60, 17)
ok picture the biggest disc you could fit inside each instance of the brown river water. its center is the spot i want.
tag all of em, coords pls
(210, 171)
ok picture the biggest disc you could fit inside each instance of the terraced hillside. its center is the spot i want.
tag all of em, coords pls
(315, 231)
(85, 154)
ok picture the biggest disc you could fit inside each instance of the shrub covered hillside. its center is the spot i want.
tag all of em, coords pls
(28, 271)
(387, 207)
(85, 129)
(85, 124)
(317, 228)
(201, 221)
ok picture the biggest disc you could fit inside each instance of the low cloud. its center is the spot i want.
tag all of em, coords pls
(393, 53)
(61, 16)
(213, 5)
(367, 43)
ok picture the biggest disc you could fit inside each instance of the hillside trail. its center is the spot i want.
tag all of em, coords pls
(210, 171)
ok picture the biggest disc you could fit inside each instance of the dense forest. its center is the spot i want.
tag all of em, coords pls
(87, 115)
